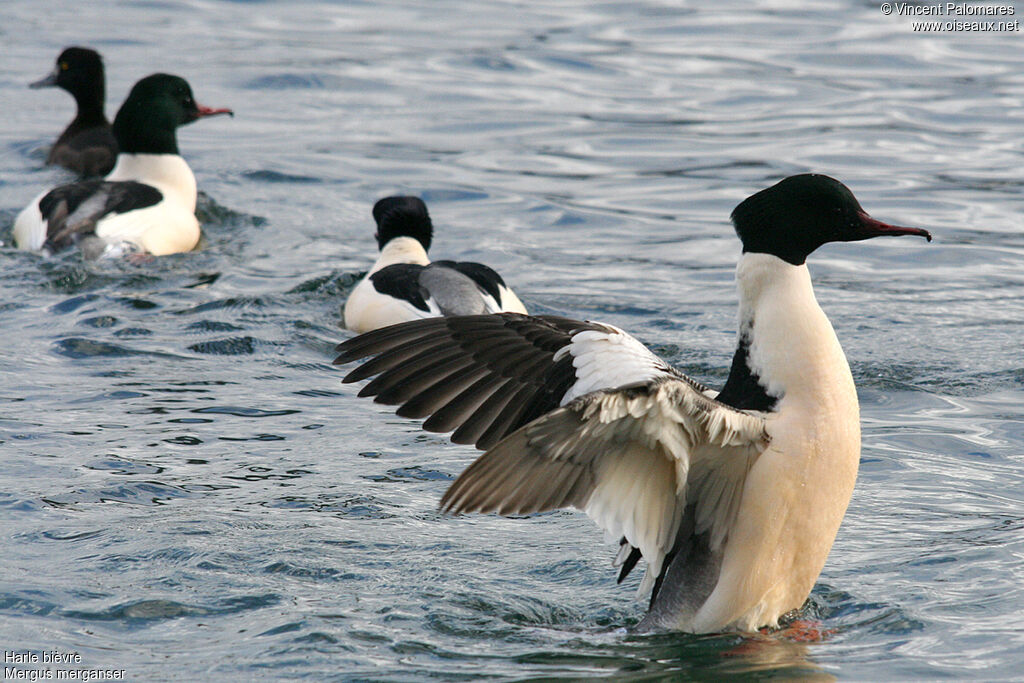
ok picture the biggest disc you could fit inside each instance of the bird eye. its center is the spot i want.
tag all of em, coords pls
(63, 66)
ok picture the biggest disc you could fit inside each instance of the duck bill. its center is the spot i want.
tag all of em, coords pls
(47, 82)
(209, 111)
(869, 227)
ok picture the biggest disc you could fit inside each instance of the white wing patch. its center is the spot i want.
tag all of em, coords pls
(606, 360)
(637, 497)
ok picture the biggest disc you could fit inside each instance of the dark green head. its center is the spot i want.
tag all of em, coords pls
(799, 214)
(402, 217)
(156, 106)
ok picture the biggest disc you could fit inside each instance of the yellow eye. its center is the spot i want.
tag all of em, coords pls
(63, 66)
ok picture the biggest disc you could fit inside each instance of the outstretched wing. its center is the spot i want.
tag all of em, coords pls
(632, 458)
(485, 376)
(635, 442)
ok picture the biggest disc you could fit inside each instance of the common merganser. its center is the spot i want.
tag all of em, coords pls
(733, 499)
(146, 203)
(404, 285)
(87, 146)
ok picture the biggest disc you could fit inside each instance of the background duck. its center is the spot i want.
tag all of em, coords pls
(404, 285)
(87, 146)
(734, 500)
(147, 203)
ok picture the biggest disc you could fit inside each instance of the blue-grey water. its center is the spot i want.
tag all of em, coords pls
(187, 491)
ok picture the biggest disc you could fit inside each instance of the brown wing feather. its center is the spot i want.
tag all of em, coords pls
(483, 376)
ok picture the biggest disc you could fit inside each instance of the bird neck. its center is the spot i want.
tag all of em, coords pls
(401, 250)
(90, 106)
(141, 128)
(786, 347)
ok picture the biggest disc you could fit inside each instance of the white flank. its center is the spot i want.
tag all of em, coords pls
(367, 309)
(29, 227)
(509, 303)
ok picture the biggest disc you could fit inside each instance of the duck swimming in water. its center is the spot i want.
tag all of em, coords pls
(147, 203)
(404, 285)
(87, 146)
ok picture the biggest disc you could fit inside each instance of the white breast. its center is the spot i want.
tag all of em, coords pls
(168, 227)
(168, 173)
(797, 491)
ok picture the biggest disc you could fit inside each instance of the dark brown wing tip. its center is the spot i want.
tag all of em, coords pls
(348, 351)
(356, 373)
(384, 338)
(445, 505)
(453, 502)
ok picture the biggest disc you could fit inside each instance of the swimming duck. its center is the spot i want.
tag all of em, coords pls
(147, 203)
(87, 146)
(734, 497)
(404, 285)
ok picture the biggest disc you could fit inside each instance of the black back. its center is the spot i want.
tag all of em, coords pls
(402, 281)
(88, 151)
(81, 139)
(743, 390)
(485, 277)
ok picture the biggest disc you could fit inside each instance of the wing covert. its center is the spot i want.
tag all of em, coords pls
(632, 458)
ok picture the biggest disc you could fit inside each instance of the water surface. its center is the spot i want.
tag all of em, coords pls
(188, 491)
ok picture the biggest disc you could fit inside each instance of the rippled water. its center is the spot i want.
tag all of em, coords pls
(188, 491)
